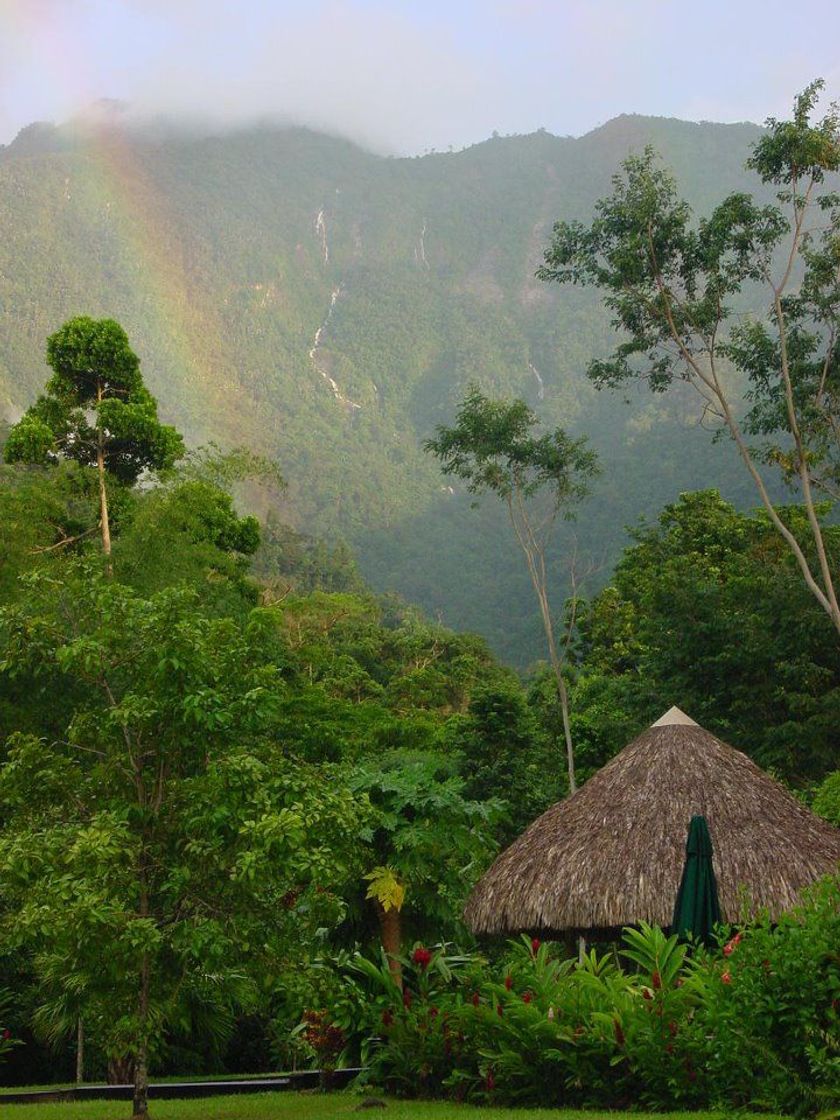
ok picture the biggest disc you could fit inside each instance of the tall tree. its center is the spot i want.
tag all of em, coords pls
(493, 447)
(146, 850)
(678, 289)
(95, 410)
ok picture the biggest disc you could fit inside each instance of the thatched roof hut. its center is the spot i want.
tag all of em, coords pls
(612, 854)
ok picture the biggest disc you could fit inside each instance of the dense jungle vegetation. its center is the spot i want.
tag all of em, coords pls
(238, 782)
(289, 749)
(209, 250)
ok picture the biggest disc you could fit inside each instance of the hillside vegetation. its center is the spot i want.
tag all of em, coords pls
(327, 307)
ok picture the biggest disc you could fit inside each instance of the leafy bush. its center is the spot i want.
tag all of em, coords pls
(6, 1040)
(827, 799)
(754, 1023)
(769, 1032)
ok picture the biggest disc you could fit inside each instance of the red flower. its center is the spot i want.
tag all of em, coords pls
(619, 1033)
(475, 999)
(647, 993)
(407, 998)
(535, 944)
(731, 945)
(421, 957)
(726, 978)
(499, 1011)
(508, 982)
(672, 1027)
(490, 1081)
(527, 997)
(656, 980)
(433, 1012)
(7, 1034)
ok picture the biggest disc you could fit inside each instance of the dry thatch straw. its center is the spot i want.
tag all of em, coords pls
(612, 854)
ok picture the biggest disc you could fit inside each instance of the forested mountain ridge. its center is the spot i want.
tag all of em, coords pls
(327, 307)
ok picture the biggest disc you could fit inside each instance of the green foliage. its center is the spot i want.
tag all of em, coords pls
(427, 839)
(679, 291)
(506, 754)
(157, 835)
(492, 447)
(6, 1039)
(707, 610)
(188, 532)
(827, 799)
(754, 1025)
(226, 353)
(95, 370)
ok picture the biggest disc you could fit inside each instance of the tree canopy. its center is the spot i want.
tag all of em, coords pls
(95, 411)
(685, 294)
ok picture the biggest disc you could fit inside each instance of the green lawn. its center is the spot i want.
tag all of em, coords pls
(313, 1106)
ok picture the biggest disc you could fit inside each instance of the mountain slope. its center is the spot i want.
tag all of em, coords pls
(328, 306)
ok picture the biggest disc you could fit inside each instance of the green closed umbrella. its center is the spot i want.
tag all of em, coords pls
(697, 909)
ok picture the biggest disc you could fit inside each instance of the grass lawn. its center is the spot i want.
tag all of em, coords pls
(314, 1106)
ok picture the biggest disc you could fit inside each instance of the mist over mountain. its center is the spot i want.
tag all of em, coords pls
(327, 306)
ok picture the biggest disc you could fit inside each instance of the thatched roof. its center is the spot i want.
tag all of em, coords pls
(612, 854)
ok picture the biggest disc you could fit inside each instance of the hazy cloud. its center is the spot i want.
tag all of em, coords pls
(410, 75)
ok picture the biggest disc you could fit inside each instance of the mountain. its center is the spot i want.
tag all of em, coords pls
(328, 306)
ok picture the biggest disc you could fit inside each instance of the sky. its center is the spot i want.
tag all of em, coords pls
(412, 75)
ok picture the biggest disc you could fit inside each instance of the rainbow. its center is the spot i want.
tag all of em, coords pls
(116, 176)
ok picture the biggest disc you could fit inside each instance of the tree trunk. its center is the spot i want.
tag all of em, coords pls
(120, 1071)
(141, 1064)
(391, 926)
(80, 1051)
(103, 493)
(539, 582)
(567, 727)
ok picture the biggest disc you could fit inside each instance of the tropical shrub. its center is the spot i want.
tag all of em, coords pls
(6, 1039)
(752, 1023)
(768, 1034)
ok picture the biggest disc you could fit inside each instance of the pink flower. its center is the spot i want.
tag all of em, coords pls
(726, 978)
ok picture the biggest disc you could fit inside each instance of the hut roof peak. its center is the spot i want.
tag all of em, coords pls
(675, 715)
